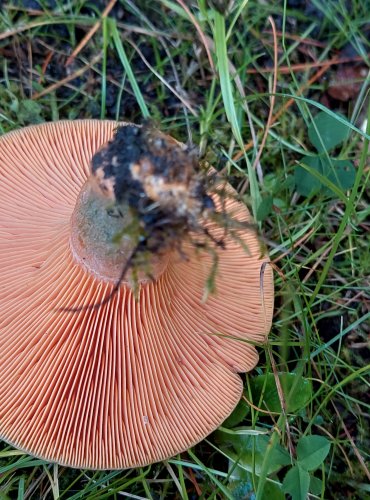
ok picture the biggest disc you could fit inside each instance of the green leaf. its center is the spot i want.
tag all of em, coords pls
(29, 112)
(315, 485)
(249, 450)
(240, 479)
(318, 173)
(264, 208)
(341, 173)
(296, 483)
(296, 389)
(317, 105)
(306, 183)
(312, 451)
(326, 132)
(238, 415)
(273, 491)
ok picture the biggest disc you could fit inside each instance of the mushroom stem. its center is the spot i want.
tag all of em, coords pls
(95, 223)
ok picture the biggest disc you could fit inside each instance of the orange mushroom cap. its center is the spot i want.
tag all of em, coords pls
(136, 380)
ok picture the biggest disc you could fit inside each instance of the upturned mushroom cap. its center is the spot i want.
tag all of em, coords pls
(131, 382)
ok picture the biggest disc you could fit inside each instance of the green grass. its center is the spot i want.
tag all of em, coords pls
(319, 243)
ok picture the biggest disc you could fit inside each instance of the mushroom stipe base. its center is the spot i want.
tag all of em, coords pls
(134, 381)
(93, 239)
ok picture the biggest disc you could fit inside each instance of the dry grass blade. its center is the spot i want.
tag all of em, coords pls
(67, 79)
(271, 110)
(163, 80)
(91, 33)
(287, 105)
(305, 66)
(202, 36)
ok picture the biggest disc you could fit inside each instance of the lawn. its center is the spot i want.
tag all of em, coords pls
(275, 95)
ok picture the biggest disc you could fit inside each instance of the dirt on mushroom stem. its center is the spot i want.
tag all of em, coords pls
(168, 196)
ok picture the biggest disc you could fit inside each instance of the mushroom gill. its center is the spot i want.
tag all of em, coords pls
(138, 379)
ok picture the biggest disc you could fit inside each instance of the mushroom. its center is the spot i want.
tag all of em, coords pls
(139, 378)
